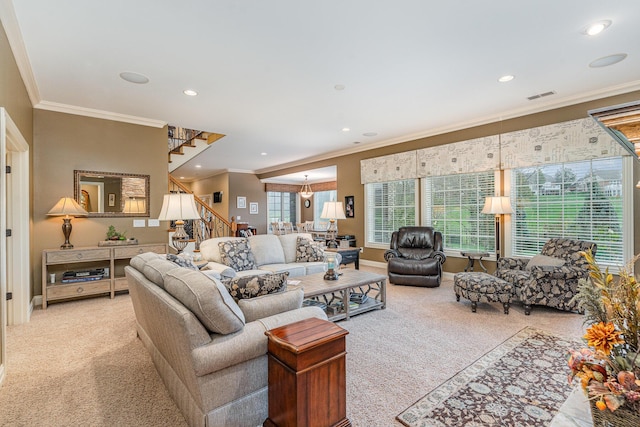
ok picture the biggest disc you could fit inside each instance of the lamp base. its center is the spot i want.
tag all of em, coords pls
(66, 230)
(331, 275)
(180, 238)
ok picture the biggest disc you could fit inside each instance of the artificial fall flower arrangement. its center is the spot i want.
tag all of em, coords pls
(609, 370)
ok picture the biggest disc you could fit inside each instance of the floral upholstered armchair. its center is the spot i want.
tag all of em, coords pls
(550, 278)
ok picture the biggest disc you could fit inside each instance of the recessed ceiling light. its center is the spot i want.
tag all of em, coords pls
(182, 177)
(339, 87)
(345, 129)
(190, 92)
(605, 61)
(263, 154)
(596, 28)
(506, 78)
(132, 77)
(369, 134)
(198, 166)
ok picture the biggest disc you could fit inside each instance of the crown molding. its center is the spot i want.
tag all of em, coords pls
(14, 35)
(99, 114)
(539, 107)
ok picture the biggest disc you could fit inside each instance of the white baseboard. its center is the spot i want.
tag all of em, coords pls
(36, 302)
(376, 264)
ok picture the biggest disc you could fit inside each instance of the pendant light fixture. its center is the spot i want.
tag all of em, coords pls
(305, 191)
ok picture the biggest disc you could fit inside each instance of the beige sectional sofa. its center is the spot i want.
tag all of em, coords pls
(272, 254)
(210, 351)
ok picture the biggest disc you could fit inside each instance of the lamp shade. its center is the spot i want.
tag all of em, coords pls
(67, 206)
(176, 206)
(332, 210)
(497, 205)
(134, 206)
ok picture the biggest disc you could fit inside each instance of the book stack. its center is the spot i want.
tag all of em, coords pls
(83, 275)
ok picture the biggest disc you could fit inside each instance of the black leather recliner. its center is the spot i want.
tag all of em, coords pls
(415, 257)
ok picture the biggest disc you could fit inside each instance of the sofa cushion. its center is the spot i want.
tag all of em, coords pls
(253, 286)
(139, 261)
(290, 245)
(237, 254)
(210, 250)
(293, 268)
(308, 251)
(315, 267)
(156, 269)
(182, 261)
(546, 262)
(266, 249)
(268, 305)
(207, 298)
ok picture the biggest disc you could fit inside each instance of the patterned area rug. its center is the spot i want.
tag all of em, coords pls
(522, 382)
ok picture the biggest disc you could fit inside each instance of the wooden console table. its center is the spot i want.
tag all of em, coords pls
(307, 375)
(113, 258)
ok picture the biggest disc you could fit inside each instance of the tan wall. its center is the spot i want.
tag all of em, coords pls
(209, 186)
(348, 176)
(64, 143)
(249, 186)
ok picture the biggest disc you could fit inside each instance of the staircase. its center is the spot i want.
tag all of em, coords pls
(210, 224)
(185, 144)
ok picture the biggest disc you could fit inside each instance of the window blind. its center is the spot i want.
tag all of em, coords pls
(453, 204)
(389, 206)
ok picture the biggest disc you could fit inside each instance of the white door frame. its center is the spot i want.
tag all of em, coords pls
(14, 251)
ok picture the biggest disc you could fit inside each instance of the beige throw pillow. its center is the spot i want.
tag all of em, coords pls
(547, 262)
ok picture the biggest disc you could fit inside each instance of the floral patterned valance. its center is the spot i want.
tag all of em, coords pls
(393, 167)
(475, 155)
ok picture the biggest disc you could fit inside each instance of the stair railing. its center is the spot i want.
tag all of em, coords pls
(210, 224)
(179, 137)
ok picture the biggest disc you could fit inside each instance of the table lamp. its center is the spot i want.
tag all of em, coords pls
(497, 205)
(332, 211)
(68, 208)
(178, 207)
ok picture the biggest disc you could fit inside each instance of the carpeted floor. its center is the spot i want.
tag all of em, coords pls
(80, 363)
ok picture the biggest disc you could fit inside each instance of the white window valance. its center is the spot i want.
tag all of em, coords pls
(572, 141)
(393, 167)
(474, 155)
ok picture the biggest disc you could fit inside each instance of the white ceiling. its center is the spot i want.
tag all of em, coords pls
(266, 71)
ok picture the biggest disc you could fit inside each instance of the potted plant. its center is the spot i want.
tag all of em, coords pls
(609, 368)
(112, 234)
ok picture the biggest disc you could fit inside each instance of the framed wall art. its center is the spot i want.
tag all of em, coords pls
(349, 207)
(253, 208)
(241, 202)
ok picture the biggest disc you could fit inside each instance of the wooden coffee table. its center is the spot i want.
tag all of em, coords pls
(336, 295)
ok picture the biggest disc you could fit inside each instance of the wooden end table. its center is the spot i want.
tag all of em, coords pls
(307, 375)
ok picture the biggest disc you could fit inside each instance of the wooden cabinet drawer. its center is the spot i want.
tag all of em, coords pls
(80, 255)
(72, 290)
(121, 284)
(131, 251)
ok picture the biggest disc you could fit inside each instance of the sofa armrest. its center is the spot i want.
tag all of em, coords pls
(440, 256)
(271, 304)
(224, 271)
(512, 263)
(391, 253)
(246, 344)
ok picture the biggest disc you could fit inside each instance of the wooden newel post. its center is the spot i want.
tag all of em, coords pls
(307, 375)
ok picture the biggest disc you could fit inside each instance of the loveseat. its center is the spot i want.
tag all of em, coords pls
(295, 253)
(210, 351)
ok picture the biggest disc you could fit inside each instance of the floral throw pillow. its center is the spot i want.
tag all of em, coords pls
(237, 254)
(308, 251)
(182, 261)
(253, 286)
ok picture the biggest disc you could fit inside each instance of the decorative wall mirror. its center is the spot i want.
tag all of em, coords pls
(111, 194)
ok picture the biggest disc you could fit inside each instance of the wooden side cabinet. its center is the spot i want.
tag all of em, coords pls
(307, 375)
(56, 261)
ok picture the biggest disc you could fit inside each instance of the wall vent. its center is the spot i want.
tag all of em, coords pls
(541, 95)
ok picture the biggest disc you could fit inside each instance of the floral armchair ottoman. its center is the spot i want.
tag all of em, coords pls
(551, 278)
